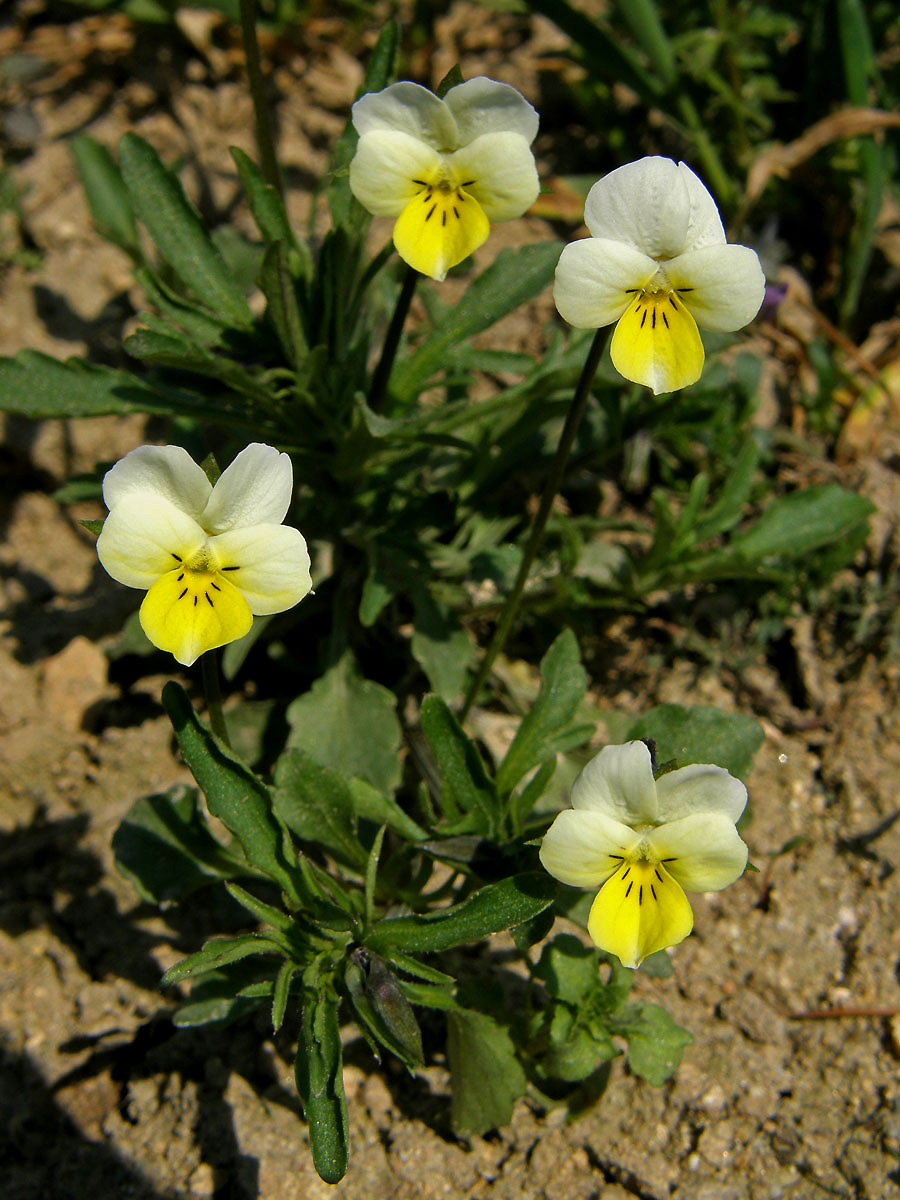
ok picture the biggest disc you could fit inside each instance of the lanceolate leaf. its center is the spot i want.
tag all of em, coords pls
(106, 193)
(317, 805)
(36, 385)
(563, 684)
(218, 952)
(319, 1074)
(233, 793)
(465, 786)
(493, 908)
(173, 223)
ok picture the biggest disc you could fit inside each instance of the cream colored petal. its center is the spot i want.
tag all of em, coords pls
(703, 852)
(483, 105)
(498, 169)
(700, 788)
(268, 564)
(188, 613)
(584, 848)
(618, 782)
(597, 279)
(640, 910)
(144, 537)
(656, 205)
(723, 286)
(166, 471)
(256, 489)
(389, 168)
(407, 108)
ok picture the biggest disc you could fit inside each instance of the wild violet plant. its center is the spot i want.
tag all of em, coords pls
(376, 846)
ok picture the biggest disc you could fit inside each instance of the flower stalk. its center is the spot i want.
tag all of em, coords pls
(539, 524)
(382, 374)
(209, 667)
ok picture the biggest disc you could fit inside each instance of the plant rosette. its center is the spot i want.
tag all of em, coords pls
(644, 842)
(210, 557)
(658, 265)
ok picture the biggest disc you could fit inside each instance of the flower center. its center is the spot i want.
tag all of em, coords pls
(197, 573)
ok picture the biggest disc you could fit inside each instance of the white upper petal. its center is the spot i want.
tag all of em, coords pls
(656, 205)
(273, 564)
(618, 782)
(504, 174)
(141, 536)
(255, 490)
(168, 472)
(700, 788)
(706, 851)
(407, 108)
(578, 848)
(483, 105)
(727, 285)
(592, 281)
(384, 167)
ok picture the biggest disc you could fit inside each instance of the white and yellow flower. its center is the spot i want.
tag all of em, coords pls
(210, 557)
(657, 263)
(644, 842)
(444, 168)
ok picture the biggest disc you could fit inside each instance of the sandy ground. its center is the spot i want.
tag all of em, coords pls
(100, 1096)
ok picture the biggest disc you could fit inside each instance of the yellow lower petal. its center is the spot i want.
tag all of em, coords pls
(656, 342)
(189, 612)
(440, 227)
(640, 910)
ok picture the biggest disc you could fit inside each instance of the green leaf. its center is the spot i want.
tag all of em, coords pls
(218, 952)
(515, 277)
(317, 805)
(569, 969)
(465, 786)
(579, 1055)
(802, 521)
(493, 908)
(264, 200)
(36, 385)
(655, 1042)
(179, 235)
(729, 505)
(349, 724)
(233, 793)
(262, 911)
(563, 685)
(440, 644)
(166, 849)
(281, 992)
(452, 79)
(283, 309)
(487, 1077)
(318, 1071)
(106, 194)
(375, 806)
(700, 735)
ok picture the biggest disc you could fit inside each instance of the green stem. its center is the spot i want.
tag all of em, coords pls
(382, 373)
(265, 142)
(210, 668)
(551, 488)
